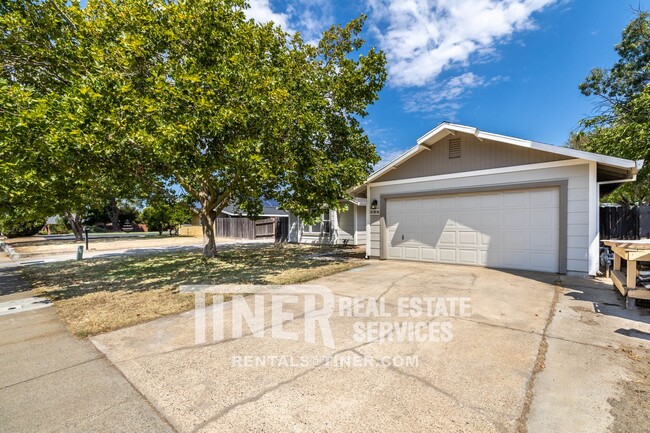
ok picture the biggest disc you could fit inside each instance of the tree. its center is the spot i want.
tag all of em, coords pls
(247, 112)
(144, 94)
(18, 229)
(69, 117)
(166, 215)
(621, 126)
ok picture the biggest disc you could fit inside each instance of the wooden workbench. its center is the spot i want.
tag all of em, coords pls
(632, 252)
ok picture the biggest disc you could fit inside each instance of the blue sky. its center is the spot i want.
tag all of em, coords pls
(511, 67)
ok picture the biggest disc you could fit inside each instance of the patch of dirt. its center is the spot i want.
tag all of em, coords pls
(631, 411)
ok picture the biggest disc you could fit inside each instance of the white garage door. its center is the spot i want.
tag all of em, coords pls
(511, 229)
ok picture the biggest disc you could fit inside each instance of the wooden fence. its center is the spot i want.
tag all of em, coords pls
(624, 222)
(243, 228)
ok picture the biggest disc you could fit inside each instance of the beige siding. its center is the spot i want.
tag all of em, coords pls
(475, 155)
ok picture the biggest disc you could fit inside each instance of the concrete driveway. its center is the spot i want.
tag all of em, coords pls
(531, 356)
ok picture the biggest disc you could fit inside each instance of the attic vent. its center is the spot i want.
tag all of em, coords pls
(454, 148)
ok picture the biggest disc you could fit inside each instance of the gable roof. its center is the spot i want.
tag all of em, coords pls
(446, 129)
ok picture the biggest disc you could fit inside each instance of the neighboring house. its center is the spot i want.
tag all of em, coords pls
(335, 227)
(233, 222)
(464, 196)
(231, 211)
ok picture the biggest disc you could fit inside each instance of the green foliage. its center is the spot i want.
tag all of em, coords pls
(247, 112)
(622, 128)
(67, 117)
(21, 228)
(161, 216)
(122, 98)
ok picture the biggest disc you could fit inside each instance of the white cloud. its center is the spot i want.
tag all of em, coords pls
(444, 99)
(423, 38)
(260, 11)
(309, 17)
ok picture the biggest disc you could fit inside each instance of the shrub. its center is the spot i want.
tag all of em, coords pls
(21, 229)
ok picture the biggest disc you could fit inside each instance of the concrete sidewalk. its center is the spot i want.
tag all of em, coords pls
(51, 381)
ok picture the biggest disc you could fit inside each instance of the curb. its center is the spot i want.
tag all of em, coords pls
(8, 249)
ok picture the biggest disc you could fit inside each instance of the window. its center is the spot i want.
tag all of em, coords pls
(323, 226)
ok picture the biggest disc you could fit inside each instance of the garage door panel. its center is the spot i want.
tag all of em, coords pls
(449, 221)
(428, 220)
(516, 240)
(516, 200)
(492, 258)
(543, 262)
(410, 220)
(492, 240)
(428, 254)
(513, 229)
(465, 202)
(447, 238)
(543, 240)
(393, 206)
(410, 205)
(542, 197)
(544, 219)
(468, 257)
(490, 219)
(516, 219)
(428, 204)
(411, 252)
(516, 258)
(395, 252)
(446, 203)
(426, 237)
(447, 255)
(467, 238)
(490, 201)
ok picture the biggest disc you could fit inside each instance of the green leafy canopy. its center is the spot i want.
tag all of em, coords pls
(125, 97)
(622, 125)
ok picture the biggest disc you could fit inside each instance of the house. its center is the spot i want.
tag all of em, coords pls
(343, 227)
(465, 196)
(271, 222)
(269, 210)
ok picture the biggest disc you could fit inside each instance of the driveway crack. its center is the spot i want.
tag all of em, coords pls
(540, 363)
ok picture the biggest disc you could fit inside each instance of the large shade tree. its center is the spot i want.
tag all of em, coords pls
(137, 95)
(69, 114)
(249, 112)
(621, 126)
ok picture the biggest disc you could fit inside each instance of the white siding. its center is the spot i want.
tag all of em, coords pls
(577, 209)
(344, 231)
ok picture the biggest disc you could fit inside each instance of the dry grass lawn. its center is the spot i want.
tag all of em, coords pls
(39, 246)
(104, 294)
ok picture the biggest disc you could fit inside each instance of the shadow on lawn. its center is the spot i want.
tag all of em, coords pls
(249, 264)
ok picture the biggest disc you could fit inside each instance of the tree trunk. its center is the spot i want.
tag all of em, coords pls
(208, 218)
(114, 214)
(75, 223)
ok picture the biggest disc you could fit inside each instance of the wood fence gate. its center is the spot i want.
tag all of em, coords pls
(276, 228)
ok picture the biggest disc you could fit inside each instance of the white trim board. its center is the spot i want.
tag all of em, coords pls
(487, 172)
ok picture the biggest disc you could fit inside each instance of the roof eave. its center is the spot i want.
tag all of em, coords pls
(450, 128)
